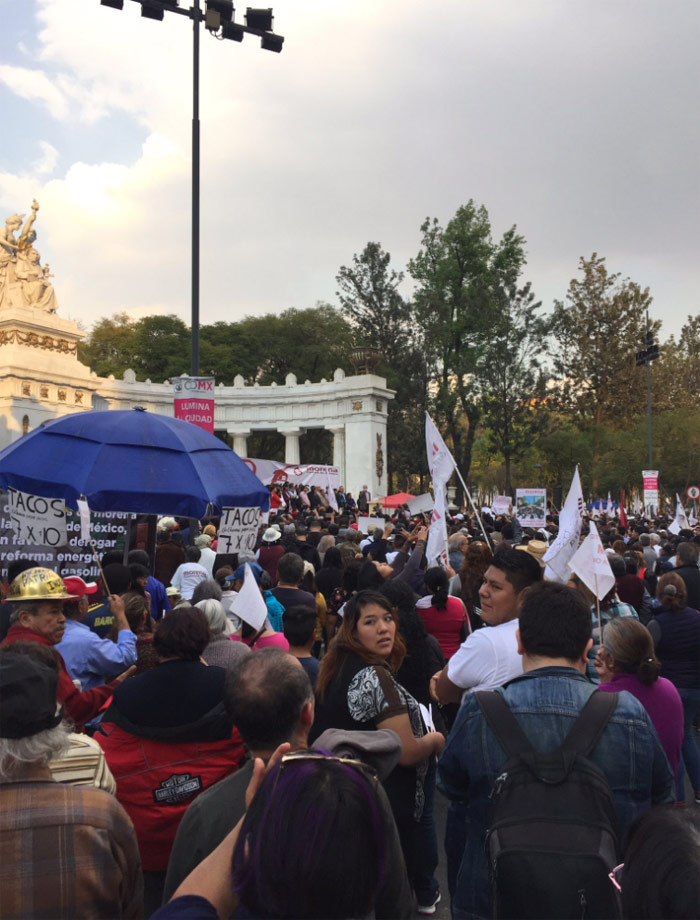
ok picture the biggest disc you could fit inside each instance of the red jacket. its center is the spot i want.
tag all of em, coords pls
(80, 705)
(157, 780)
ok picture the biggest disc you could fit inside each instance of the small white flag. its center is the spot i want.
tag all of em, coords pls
(680, 521)
(330, 492)
(609, 507)
(436, 549)
(249, 604)
(84, 513)
(590, 562)
(560, 552)
(440, 461)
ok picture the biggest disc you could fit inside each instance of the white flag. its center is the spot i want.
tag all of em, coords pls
(440, 461)
(560, 552)
(680, 521)
(436, 549)
(637, 504)
(609, 507)
(84, 512)
(330, 492)
(249, 604)
(590, 562)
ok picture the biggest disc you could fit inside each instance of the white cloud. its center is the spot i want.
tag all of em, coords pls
(46, 163)
(35, 86)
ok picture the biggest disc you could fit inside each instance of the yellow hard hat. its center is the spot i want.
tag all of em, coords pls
(39, 585)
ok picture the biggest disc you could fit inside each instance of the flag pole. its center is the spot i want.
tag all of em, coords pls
(466, 492)
(597, 607)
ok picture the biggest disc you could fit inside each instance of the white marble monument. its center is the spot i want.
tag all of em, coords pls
(41, 378)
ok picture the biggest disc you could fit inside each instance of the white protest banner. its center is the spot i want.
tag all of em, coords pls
(531, 507)
(651, 489)
(84, 514)
(436, 549)
(238, 530)
(501, 504)
(420, 503)
(560, 552)
(590, 562)
(368, 524)
(249, 604)
(440, 460)
(271, 472)
(37, 520)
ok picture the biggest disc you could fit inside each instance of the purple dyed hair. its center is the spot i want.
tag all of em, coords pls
(288, 863)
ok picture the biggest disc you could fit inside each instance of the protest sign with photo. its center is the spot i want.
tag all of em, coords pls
(238, 530)
(194, 401)
(531, 507)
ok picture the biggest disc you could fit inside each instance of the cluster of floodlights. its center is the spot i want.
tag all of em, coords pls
(218, 19)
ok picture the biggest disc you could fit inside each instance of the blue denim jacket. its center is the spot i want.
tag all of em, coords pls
(546, 702)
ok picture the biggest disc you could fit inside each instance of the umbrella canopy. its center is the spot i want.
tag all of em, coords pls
(393, 501)
(131, 460)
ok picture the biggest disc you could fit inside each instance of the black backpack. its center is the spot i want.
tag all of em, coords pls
(551, 840)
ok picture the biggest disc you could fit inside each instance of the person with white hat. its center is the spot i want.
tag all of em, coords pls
(89, 659)
(271, 551)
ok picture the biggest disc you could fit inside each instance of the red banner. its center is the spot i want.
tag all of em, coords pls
(194, 401)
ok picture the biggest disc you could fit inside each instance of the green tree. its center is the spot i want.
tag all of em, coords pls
(109, 348)
(509, 375)
(382, 319)
(598, 328)
(162, 347)
(461, 272)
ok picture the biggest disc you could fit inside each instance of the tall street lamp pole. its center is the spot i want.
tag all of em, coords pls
(648, 354)
(219, 21)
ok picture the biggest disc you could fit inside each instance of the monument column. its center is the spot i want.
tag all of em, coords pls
(339, 451)
(291, 445)
(240, 442)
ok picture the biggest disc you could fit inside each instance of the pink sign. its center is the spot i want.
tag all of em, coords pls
(194, 401)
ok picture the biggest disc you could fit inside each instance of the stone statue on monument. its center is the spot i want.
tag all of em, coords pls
(23, 281)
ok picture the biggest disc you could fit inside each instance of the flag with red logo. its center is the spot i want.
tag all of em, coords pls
(440, 461)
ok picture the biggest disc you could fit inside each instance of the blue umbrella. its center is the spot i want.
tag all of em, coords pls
(131, 460)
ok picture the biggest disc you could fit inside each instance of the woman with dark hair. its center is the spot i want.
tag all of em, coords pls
(340, 595)
(626, 661)
(330, 575)
(676, 634)
(659, 879)
(167, 736)
(471, 574)
(357, 690)
(138, 615)
(443, 616)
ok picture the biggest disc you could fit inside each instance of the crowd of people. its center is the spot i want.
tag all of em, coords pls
(168, 750)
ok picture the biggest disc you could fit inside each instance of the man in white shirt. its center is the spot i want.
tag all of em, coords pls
(188, 575)
(489, 657)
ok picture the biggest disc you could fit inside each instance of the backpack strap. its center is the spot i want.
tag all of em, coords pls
(503, 723)
(590, 724)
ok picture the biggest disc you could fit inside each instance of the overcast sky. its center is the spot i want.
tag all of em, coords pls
(577, 120)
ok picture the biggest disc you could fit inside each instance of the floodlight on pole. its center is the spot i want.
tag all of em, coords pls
(218, 20)
(261, 20)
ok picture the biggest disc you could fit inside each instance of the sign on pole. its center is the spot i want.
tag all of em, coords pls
(531, 507)
(651, 489)
(194, 401)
